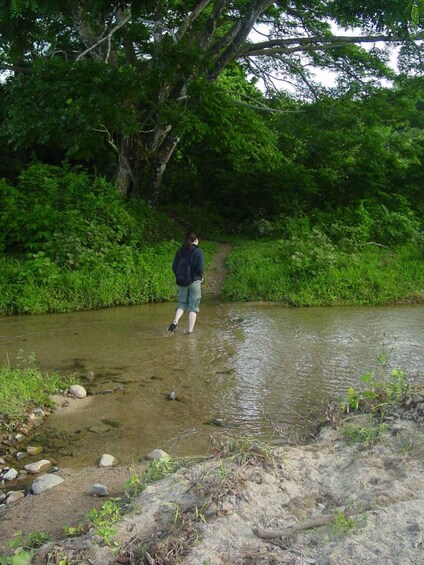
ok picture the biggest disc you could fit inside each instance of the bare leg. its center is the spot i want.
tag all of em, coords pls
(191, 321)
(178, 313)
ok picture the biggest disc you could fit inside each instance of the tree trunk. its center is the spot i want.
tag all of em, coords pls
(141, 166)
(159, 164)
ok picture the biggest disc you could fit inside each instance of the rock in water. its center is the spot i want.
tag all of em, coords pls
(107, 460)
(38, 466)
(34, 449)
(10, 475)
(156, 454)
(90, 376)
(78, 391)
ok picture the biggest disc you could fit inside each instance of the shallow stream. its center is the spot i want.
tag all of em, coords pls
(258, 369)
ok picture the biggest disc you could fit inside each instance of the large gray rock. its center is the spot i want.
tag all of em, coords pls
(46, 482)
(38, 466)
(78, 391)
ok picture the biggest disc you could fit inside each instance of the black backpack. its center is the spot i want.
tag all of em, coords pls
(183, 272)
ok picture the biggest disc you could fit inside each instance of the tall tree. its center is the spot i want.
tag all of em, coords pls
(151, 57)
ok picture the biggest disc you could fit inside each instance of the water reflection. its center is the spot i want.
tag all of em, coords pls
(256, 367)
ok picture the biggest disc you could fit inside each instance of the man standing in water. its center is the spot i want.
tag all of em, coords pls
(188, 267)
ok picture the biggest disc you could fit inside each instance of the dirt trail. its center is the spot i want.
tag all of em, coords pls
(216, 271)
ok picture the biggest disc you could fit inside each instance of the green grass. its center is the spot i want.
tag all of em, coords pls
(22, 389)
(320, 274)
(37, 285)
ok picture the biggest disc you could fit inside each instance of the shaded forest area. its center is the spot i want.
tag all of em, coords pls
(121, 124)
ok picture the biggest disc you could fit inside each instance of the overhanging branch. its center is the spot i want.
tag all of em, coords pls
(315, 43)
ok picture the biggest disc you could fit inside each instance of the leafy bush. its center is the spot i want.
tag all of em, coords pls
(74, 219)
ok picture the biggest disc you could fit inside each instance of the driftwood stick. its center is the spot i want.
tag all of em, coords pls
(306, 525)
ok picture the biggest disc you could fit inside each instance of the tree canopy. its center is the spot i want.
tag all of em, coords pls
(119, 83)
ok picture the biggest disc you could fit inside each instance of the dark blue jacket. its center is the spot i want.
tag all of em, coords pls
(196, 259)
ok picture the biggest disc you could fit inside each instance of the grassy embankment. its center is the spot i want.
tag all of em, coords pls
(267, 271)
(69, 241)
(22, 388)
(38, 285)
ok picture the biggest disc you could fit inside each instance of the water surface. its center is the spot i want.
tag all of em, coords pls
(261, 369)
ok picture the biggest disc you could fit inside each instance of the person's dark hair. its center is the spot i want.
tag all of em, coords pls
(189, 239)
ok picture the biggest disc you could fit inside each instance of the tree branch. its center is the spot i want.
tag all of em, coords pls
(306, 525)
(262, 108)
(212, 22)
(257, 7)
(301, 73)
(314, 43)
(191, 17)
(107, 38)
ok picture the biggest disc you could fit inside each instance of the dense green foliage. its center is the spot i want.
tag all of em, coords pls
(328, 264)
(72, 242)
(335, 152)
(104, 102)
(115, 85)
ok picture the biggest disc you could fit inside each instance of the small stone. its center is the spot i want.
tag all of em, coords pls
(38, 412)
(90, 376)
(19, 437)
(156, 454)
(99, 490)
(99, 429)
(38, 466)
(2, 461)
(78, 391)
(46, 482)
(218, 422)
(34, 449)
(2, 497)
(14, 495)
(10, 475)
(21, 455)
(172, 395)
(107, 460)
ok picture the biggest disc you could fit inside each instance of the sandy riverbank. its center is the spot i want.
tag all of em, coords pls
(348, 502)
